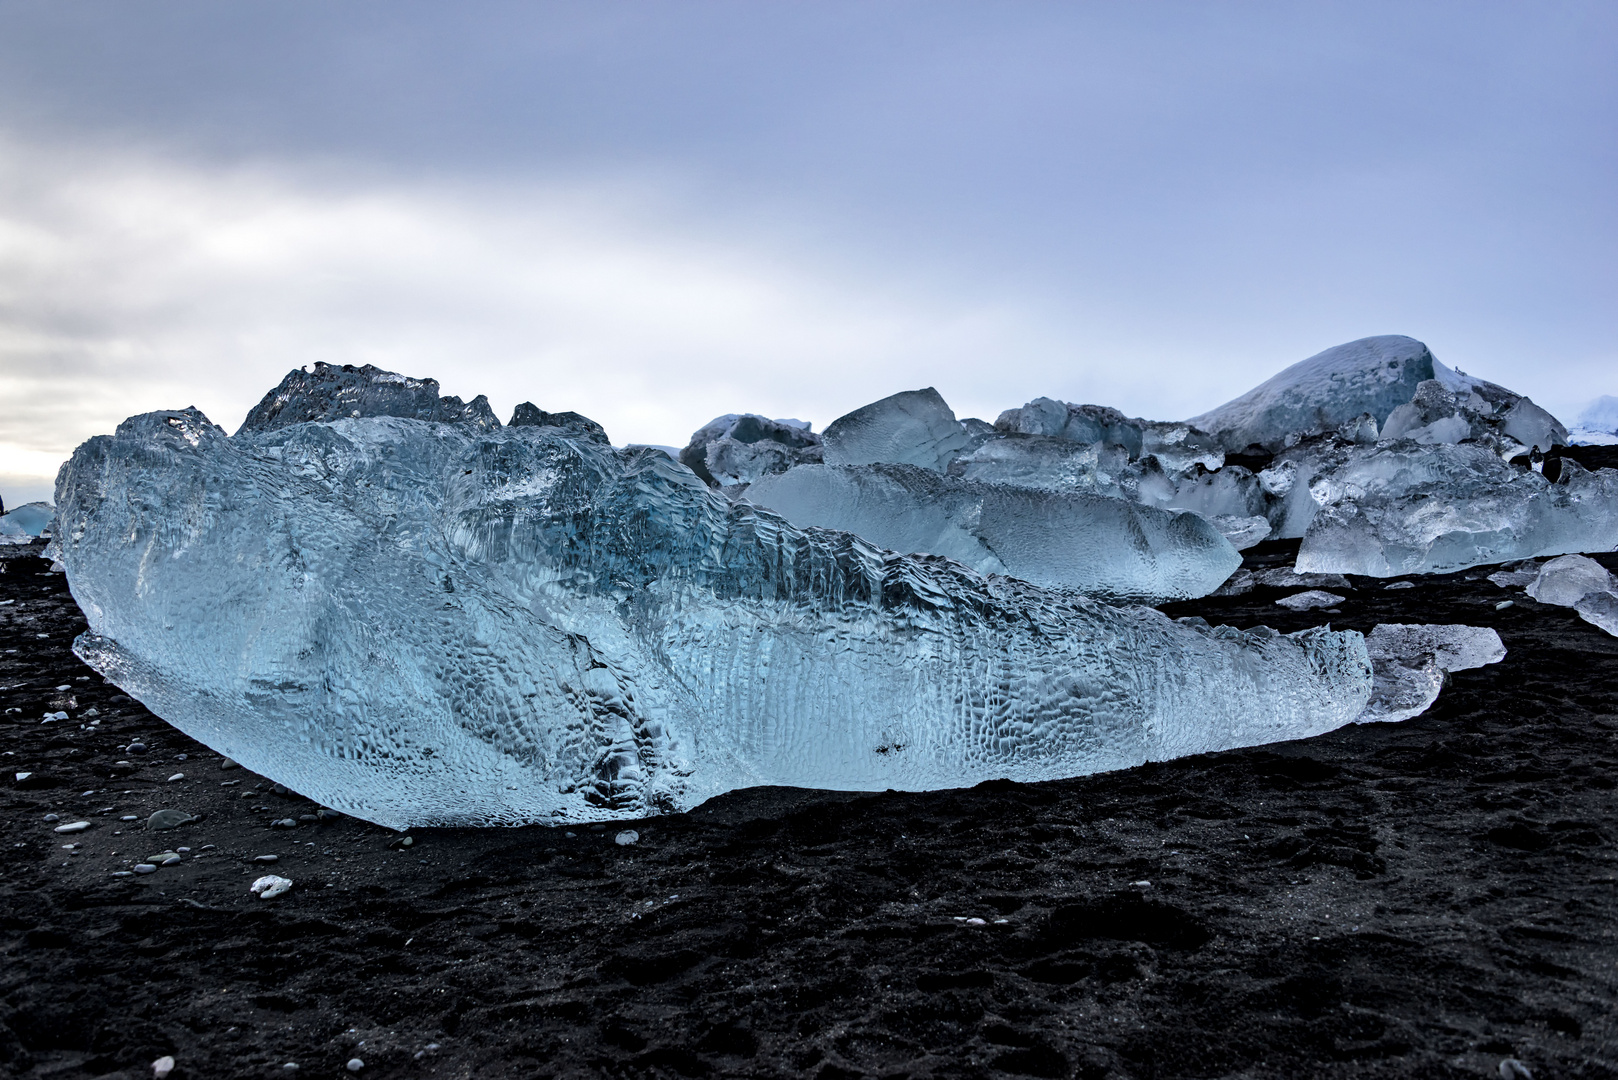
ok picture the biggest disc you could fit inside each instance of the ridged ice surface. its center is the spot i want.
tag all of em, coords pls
(420, 622)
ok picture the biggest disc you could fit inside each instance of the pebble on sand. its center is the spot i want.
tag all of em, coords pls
(627, 837)
(266, 858)
(270, 886)
(355, 1064)
(169, 819)
(177, 776)
(162, 1067)
(144, 868)
(73, 826)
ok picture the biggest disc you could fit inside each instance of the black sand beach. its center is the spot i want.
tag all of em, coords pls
(1418, 899)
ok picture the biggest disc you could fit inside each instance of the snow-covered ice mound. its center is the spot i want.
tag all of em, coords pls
(422, 622)
(1597, 425)
(1372, 379)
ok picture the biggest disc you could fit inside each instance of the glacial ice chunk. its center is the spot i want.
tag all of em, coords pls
(1102, 546)
(915, 427)
(331, 392)
(419, 622)
(1412, 663)
(1373, 375)
(738, 448)
(1566, 580)
(1599, 609)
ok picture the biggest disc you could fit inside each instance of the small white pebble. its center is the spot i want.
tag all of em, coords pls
(1141, 884)
(291, 1066)
(627, 837)
(129, 817)
(162, 1067)
(355, 1064)
(976, 922)
(144, 868)
(23, 776)
(177, 776)
(73, 826)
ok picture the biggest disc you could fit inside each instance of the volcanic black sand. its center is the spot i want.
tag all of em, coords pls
(1418, 899)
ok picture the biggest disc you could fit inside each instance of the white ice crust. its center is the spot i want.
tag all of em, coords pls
(423, 622)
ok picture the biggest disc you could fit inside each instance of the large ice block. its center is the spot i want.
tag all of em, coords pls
(419, 622)
(1103, 546)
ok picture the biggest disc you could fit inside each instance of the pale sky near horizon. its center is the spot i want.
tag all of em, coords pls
(657, 213)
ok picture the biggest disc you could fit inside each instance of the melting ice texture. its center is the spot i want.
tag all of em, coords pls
(420, 622)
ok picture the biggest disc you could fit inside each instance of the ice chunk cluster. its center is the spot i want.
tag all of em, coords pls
(427, 622)
(1381, 459)
(1404, 507)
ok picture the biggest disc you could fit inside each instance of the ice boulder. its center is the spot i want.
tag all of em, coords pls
(1102, 546)
(1567, 580)
(1597, 425)
(331, 392)
(420, 622)
(915, 427)
(1373, 375)
(738, 448)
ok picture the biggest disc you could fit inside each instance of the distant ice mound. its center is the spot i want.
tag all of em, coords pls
(1597, 425)
(428, 622)
(1373, 375)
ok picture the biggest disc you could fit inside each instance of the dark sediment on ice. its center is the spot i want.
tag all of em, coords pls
(1416, 899)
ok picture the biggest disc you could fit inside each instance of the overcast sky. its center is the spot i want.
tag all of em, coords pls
(654, 213)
